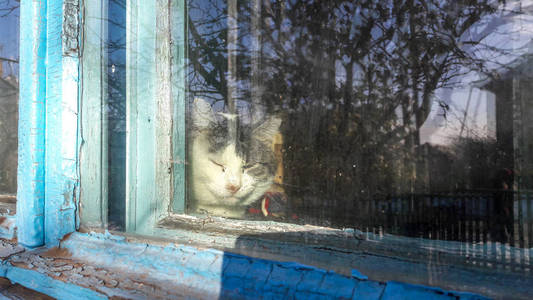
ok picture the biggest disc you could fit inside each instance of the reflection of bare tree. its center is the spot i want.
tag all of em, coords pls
(9, 92)
(354, 79)
(8, 6)
(8, 134)
(115, 78)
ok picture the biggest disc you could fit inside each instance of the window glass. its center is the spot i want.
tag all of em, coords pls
(9, 92)
(403, 117)
(398, 117)
(115, 111)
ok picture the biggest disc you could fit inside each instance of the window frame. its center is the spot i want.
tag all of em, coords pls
(149, 190)
(47, 185)
(152, 73)
(59, 149)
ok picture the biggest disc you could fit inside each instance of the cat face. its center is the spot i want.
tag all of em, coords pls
(231, 168)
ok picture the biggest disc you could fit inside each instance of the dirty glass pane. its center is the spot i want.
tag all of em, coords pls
(390, 117)
(9, 93)
(115, 111)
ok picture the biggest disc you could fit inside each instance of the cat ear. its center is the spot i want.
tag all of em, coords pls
(267, 130)
(202, 113)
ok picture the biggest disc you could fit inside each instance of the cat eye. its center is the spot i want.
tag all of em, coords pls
(220, 165)
(254, 165)
(256, 169)
(248, 167)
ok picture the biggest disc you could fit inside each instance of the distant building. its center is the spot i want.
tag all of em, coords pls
(514, 119)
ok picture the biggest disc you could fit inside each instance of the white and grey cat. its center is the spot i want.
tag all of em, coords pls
(230, 169)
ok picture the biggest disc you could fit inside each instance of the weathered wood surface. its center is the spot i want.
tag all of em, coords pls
(93, 181)
(31, 156)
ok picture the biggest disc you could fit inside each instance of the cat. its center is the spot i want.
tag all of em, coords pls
(229, 169)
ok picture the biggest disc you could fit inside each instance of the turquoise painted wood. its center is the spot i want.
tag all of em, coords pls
(178, 16)
(61, 120)
(47, 173)
(93, 163)
(140, 114)
(219, 274)
(47, 285)
(31, 154)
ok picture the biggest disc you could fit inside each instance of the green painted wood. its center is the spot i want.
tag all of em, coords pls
(163, 166)
(150, 106)
(93, 163)
(131, 116)
(178, 12)
(155, 94)
(145, 142)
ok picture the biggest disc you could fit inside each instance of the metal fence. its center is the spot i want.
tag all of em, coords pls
(495, 227)
(489, 228)
(472, 216)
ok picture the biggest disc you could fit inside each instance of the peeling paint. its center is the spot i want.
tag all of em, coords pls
(61, 120)
(96, 266)
(212, 273)
(47, 285)
(71, 28)
(31, 155)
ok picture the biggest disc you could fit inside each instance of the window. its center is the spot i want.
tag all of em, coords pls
(9, 93)
(388, 117)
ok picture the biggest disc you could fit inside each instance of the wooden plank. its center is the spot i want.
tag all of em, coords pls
(178, 19)
(163, 120)
(131, 115)
(93, 183)
(61, 120)
(31, 155)
(141, 116)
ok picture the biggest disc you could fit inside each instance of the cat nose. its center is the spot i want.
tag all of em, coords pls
(233, 188)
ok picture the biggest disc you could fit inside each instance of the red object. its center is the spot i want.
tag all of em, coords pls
(254, 211)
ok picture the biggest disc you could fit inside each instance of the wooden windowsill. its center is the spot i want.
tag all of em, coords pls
(445, 264)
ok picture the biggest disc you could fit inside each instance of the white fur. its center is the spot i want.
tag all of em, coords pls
(212, 173)
(209, 181)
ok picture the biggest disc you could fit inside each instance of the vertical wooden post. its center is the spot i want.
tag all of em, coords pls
(93, 162)
(178, 52)
(61, 119)
(140, 115)
(31, 155)
(148, 114)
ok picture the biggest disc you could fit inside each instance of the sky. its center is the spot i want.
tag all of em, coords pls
(9, 35)
(472, 110)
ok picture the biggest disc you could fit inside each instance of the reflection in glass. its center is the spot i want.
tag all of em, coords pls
(397, 118)
(385, 116)
(9, 93)
(115, 75)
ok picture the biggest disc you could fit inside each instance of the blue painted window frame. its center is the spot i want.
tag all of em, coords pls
(48, 121)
